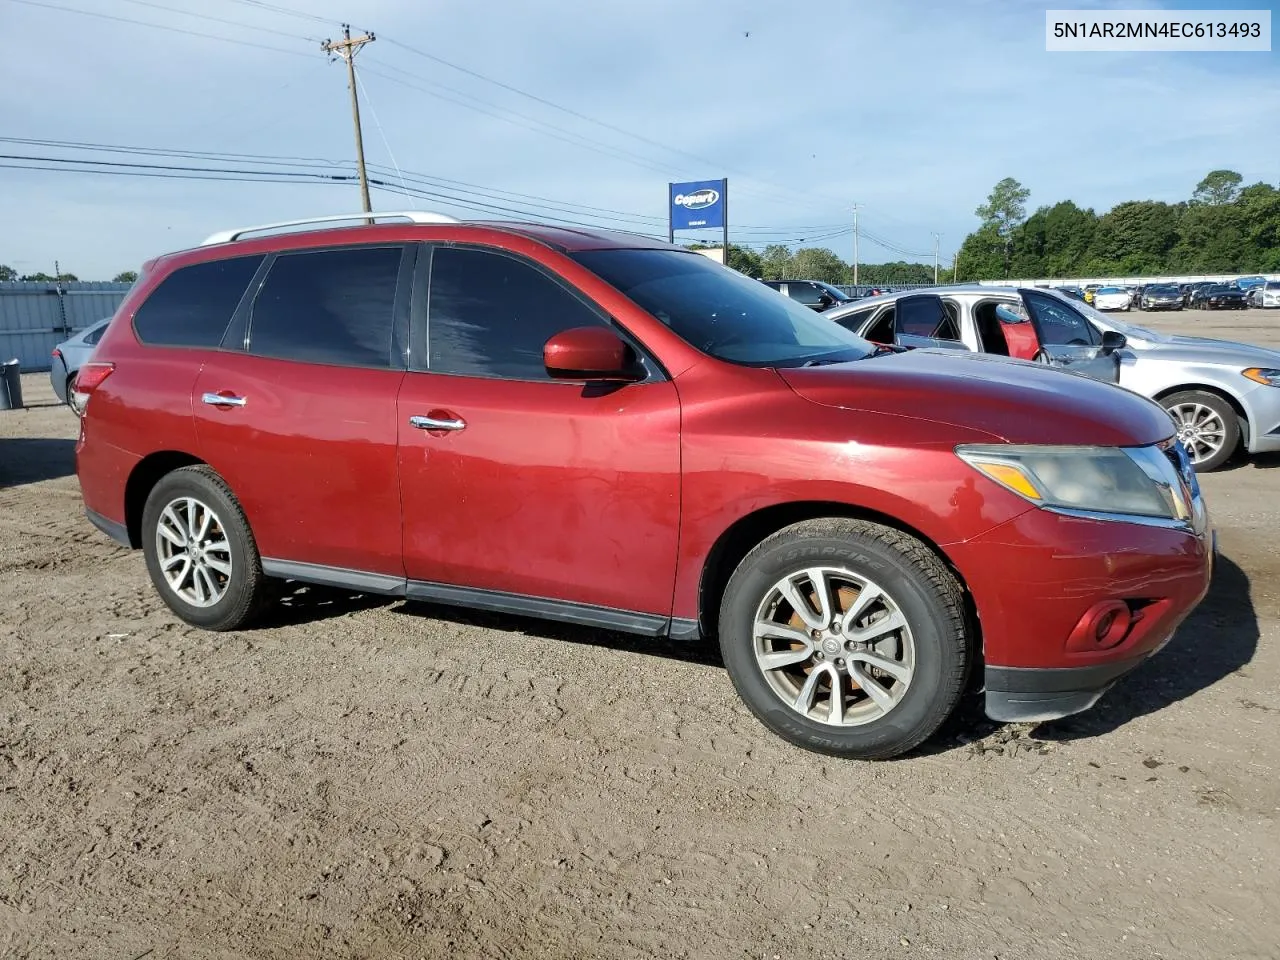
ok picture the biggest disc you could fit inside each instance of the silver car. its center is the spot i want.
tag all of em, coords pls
(69, 356)
(1223, 396)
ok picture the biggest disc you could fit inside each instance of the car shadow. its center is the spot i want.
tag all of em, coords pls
(689, 651)
(33, 459)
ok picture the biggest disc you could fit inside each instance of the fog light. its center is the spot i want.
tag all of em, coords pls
(1103, 626)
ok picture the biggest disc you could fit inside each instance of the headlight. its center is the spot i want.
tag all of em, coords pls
(1269, 376)
(1124, 481)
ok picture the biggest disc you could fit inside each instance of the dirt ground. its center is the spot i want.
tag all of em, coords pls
(363, 778)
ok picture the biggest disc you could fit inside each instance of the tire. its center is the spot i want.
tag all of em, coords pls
(1204, 460)
(930, 656)
(71, 396)
(243, 586)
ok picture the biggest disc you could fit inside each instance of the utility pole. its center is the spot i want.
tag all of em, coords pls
(936, 238)
(855, 249)
(346, 48)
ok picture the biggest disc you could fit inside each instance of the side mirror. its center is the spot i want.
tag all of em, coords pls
(826, 300)
(1112, 341)
(589, 353)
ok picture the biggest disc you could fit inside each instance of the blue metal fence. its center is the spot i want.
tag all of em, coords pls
(37, 316)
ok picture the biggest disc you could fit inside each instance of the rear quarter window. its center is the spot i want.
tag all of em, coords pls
(193, 305)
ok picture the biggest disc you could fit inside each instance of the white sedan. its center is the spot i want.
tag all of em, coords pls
(1111, 298)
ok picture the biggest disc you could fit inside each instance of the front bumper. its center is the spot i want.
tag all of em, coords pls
(1262, 410)
(1034, 581)
(58, 378)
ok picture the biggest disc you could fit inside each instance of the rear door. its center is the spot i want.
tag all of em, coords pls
(924, 321)
(1068, 340)
(298, 412)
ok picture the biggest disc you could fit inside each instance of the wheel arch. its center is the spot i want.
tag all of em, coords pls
(747, 531)
(146, 473)
(1242, 417)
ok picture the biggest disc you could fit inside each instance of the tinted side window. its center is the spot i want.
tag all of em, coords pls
(490, 315)
(193, 305)
(805, 293)
(855, 320)
(328, 306)
(926, 317)
(93, 338)
(1058, 325)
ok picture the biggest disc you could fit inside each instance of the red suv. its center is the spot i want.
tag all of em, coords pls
(594, 427)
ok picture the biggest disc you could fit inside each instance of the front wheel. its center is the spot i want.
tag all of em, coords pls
(1206, 425)
(846, 637)
(200, 551)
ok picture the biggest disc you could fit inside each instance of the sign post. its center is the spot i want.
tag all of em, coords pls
(699, 205)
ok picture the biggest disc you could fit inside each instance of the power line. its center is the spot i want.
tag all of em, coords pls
(159, 26)
(346, 49)
(274, 8)
(234, 23)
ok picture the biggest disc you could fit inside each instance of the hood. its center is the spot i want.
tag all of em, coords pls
(1208, 350)
(1013, 400)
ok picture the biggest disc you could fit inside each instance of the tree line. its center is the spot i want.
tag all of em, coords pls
(1222, 228)
(8, 275)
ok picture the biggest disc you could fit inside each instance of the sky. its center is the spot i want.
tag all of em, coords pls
(584, 110)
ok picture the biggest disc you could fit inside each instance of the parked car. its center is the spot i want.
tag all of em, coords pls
(1192, 290)
(1112, 298)
(1161, 296)
(1246, 284)
(814, 294)
(1089, 290)
(1218, 296)
(1075, 293)
(68, 356)
(1265, 295)
(609, 430)
(1224, 397)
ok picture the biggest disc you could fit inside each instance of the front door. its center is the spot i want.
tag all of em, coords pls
(524, 486)
(302, 424)
(1068, 340)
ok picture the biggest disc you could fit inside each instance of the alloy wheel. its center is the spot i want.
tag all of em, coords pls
(194, 553)
(1200, 429)
(834, 646)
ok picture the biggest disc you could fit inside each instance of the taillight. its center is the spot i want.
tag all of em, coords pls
(57, 353)
(88, 379)
(91, 375)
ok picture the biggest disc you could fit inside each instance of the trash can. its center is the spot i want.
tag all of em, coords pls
(11, 385)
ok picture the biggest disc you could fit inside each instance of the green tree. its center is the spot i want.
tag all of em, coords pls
(819, 263)
(1068, 231)
(1005, 209)
(982, 255)
(776, 262)
(7, 274)
(1260, 204)
(38, 277)
(127, 276)
(1134, 237)
(1212, 240)
(1218, 187)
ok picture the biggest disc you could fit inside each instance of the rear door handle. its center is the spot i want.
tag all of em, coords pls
(224, 400)
(437, 423)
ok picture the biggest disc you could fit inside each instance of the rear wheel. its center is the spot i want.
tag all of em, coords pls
(76, 407)
(1206, 425)
(845, 637)
(200, 551)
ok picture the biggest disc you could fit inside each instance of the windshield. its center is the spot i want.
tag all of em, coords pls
(1220, 288)
(839, 295)
(1162, 291)
(722, 312)
(1109, 290)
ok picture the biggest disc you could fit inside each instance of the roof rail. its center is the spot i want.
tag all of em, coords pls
(413, 216)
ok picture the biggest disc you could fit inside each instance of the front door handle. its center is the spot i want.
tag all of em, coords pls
(224, 400)
(438, 423)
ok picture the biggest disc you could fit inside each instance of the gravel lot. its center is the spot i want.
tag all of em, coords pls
(365, 778)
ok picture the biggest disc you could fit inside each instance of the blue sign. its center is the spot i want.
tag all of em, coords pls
(698, 204)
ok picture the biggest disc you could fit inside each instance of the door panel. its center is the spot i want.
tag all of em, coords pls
(1068, 340)
(545, 489)
(311, 456)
